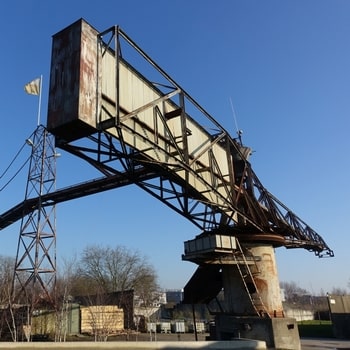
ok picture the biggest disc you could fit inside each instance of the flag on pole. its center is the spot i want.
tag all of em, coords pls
(33, 88)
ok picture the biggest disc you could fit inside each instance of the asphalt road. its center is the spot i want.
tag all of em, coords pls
(306, 343)
(324, 344)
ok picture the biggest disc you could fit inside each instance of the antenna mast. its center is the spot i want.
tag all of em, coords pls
(238, 131)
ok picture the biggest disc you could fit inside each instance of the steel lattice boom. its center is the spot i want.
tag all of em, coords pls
(150, 122)
(260, 205)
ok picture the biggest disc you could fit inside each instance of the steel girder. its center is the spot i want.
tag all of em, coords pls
(248, 206)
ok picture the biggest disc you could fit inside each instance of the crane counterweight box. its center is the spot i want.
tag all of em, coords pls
(73, 80)
(210, 243)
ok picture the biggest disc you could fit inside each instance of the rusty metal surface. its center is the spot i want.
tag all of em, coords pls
(266, 279)
(73, 80)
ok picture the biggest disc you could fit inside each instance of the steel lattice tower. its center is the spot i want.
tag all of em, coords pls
(35, 269)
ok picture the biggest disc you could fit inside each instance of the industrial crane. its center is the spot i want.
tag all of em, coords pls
(136, 125)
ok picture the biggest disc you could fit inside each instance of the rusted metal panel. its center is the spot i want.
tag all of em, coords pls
(73, 81)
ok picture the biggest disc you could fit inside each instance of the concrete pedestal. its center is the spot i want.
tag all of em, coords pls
(278, 333)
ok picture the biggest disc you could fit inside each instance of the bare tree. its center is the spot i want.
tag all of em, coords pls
(292, 291)
(101, 319)
(338, 291)
(8, 320)
(117, 269)
(64, 285)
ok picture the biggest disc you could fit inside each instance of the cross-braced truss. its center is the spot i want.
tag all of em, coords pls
(247, 206)
(35, 267)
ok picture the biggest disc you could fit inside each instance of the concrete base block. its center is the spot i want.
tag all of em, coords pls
(278, 333)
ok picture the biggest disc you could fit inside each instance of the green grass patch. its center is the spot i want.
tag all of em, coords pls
(317, 329)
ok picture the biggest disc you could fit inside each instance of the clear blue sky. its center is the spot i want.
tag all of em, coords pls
(286, 67)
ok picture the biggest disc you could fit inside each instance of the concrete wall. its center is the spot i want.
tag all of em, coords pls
(299, 314)
(171, 345)
(339, 306)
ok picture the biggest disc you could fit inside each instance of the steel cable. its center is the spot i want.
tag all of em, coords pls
(9, 166)
(16, 173)
(13, 160)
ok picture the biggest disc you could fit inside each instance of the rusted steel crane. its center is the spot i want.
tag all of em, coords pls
(113, 106)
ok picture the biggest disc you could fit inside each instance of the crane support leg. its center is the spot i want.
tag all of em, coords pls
(252, 286)
(34, 282)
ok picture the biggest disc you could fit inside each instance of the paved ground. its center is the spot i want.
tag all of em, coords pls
(324, 344)
(306, 343)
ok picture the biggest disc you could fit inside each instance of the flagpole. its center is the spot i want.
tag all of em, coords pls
(39, 107)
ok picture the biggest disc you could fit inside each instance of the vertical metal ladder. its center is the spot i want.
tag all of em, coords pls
(247, 275)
